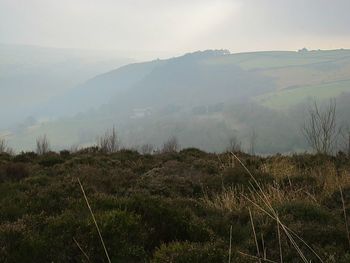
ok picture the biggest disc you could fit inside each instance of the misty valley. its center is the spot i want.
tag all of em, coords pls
(204, 99)
(181, 131)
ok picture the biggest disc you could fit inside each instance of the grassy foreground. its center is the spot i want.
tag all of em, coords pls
(181, 207)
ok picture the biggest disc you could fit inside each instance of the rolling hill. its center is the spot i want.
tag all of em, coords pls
(203, 98)
(217, 76)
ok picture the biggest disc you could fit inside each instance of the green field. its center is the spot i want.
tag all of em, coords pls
(278, 59)
(289, 97)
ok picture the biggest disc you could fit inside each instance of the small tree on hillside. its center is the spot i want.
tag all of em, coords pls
(344, 140)
(321, 129)
(252, 141)
(3, 145)
(109, 142)
(4, 148)
(42, 145)
(146, 148)
(171, 145)
(349, 144)
(234, 145)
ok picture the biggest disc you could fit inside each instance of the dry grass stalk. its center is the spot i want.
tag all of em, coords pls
(280, 167)
(263, 246)
(255, 238)
(94, 219)
(344, 211)
(231, 198)
(230, 248)
(272, 213)
(82, 251)
(284, 227)
(279, 242)
(236, 199)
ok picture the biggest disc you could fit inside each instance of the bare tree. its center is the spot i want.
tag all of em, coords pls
(171, 145)
(349, 144)
(146, 148)
(74, 148)
(234, 144)
(321, 129)
(42, 145)
(109, 142)
(252, 141)
(343, 142)
(4, 148)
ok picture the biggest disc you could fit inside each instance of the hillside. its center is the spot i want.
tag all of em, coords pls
(221, 76)
(203, 98)
(173, 207)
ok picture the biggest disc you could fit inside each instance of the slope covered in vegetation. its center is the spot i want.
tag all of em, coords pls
(173, 207)
(210, 94)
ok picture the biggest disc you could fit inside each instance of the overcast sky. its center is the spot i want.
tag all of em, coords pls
(177, 26)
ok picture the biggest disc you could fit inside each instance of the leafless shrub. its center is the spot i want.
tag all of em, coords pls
(146, 148)
(234, 145)
(252, 141)
(171, 145)
(321, 129)
(4, 148)
(109, 142)
(42, 145)
(89, 150)
(3, 145)
(348, 143)
(344, 141)
(74, 148)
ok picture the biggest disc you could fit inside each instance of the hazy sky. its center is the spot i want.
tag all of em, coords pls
(177, 26)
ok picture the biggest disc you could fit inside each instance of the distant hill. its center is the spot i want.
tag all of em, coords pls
(203, 98)
(274, 79)
(30, 76)
(99, 89)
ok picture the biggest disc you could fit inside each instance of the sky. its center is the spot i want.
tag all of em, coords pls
(175, 27)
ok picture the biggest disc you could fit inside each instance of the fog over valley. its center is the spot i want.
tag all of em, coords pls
(161, 131)
(206, 94)
(204, 72)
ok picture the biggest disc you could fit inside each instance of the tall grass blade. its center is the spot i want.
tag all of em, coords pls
(95, 222)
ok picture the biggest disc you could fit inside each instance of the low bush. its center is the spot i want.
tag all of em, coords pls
(166, 222)
(14, 172)
(238, 176)
(50, 159)
(305, 212)
(170, 207)
(25, 157)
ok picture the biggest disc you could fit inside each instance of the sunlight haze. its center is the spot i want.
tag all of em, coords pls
(165, 28)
